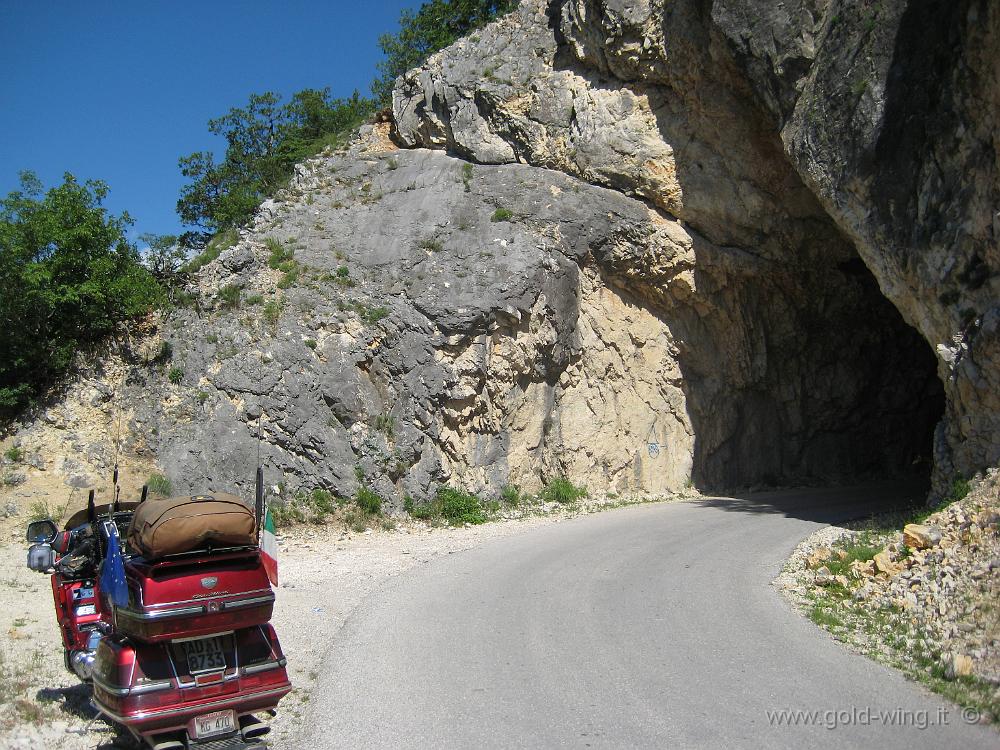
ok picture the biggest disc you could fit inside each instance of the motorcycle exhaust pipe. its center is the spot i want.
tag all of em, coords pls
(251, 727)
(83, 664)
(83, 661)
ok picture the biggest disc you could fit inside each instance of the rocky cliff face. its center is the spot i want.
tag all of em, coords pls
(805, 142)
(638, 244)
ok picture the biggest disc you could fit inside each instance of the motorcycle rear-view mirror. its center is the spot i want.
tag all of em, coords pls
(42, 532)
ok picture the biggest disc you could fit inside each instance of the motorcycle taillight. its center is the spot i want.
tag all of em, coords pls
(154, 700)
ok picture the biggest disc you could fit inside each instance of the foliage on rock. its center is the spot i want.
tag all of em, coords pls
(265, 140)
(433, 27)
(68, 277)
(923, 600)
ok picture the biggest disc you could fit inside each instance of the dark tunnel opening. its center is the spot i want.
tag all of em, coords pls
(849, 391)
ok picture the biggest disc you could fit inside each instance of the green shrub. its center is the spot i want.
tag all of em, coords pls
(12, 479)
(561, 490)
(511, 496)
(159, 485)
(501, 214)
(310, 343)
(272, 311)
(221, 241)
(386, 424)
(368, 501)
(166, 351)
(959, 489)
(371, 315)
(39, 511)
(14, 454)
(467, 172)
(858, 549)
(176, 375)
(254, 299)
(343, 272)
(290, 278)
(185, 299)
(425, 511)
(323, 501)
(313, 506)
(68, 278)
(266, 139)
(230, 295)
(278, 252)
(459, 507)
(431, 245)
(285, 512)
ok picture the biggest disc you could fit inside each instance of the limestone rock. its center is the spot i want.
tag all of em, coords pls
(637, 244)
(819, 556)
(884, 564)
(956, 665)
(820, 112)
(920, 536)
(862, 568)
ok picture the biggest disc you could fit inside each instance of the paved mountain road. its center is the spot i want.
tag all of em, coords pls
(653, 626)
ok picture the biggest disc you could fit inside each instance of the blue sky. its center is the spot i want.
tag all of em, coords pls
(119, 90)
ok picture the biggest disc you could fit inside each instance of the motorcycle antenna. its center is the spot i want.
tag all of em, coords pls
(259, 479)
(259, 500)
(91, 508)
(116, 488)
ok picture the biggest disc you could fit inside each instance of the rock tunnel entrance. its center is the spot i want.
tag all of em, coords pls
(831, 386)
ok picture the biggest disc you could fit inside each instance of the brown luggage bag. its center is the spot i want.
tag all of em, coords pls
(180, 524)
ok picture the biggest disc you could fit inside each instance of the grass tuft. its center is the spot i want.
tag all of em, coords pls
(159, 485)
(561, 490)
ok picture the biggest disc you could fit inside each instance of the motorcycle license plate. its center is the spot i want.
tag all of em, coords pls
(209, 725)
(204, 655)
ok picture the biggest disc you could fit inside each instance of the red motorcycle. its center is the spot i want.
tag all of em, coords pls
(185, 658)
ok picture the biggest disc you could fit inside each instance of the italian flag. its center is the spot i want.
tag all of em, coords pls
(269, 548)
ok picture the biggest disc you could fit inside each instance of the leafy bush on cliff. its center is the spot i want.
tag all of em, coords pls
(265, 139)
(561, 490)
(450, 504)
(68, 277)
(436, 25)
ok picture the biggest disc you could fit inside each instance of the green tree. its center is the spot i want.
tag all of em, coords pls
(163, 256)
(436, 25)
(264, 141)
(68, 276)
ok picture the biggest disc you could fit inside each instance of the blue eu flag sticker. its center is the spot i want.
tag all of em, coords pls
(113, 569)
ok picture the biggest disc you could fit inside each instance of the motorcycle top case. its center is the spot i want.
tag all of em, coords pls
(175, 525)
(195, 596)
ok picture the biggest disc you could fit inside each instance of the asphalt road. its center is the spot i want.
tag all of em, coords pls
(646, 627)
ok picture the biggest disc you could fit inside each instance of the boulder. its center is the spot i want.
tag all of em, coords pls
(919, 536)
(819, 556)
(862, 568)
(956, 665)
(884, 564)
